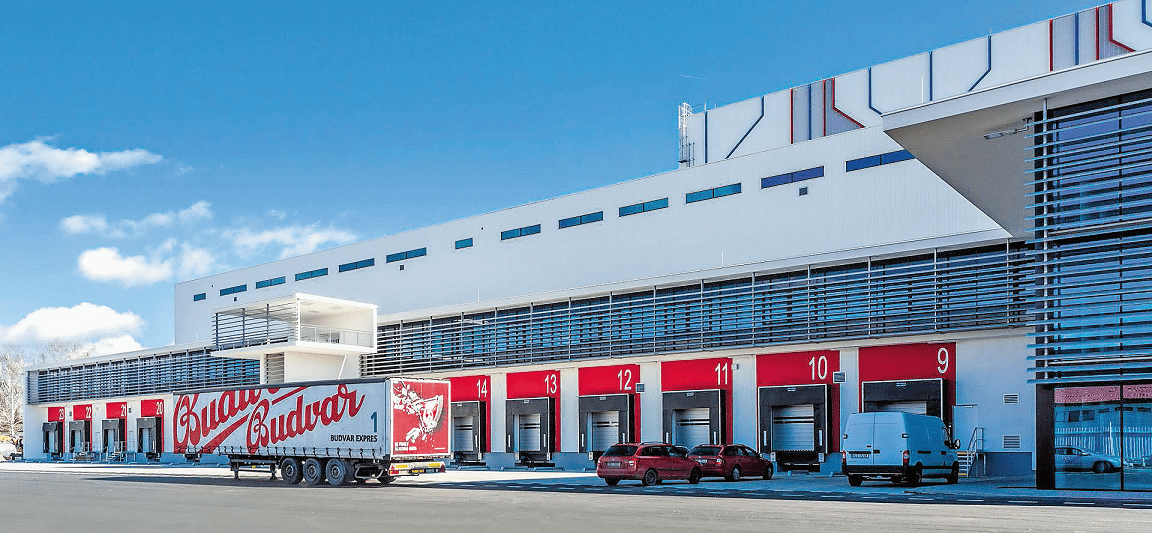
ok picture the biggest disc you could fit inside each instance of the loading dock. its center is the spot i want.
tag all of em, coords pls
(53, 439)
(148, 436)
(605, 420)
(918, 396)
(80, 438)
(529, 430)
(114, 431)
(794, 425)
(469, 420)
(692, 418)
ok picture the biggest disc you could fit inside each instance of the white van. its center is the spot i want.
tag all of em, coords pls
(898, 446)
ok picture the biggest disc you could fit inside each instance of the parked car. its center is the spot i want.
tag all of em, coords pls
(731, 461)
(899, 446)
(1073, 459)
(650, 463)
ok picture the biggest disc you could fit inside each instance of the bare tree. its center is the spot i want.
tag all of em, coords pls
(12, 385)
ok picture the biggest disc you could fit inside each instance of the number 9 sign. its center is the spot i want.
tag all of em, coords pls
(943, 360)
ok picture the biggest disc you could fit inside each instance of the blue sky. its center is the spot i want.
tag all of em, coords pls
(143, 143)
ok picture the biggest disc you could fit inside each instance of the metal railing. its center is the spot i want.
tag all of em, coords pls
(336, 335)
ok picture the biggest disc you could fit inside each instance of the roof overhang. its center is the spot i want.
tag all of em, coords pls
(294, 347)
(978, 144)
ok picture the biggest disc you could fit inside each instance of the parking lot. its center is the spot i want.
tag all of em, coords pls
(39, 497)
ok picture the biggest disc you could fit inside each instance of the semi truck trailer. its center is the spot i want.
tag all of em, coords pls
(335, 431)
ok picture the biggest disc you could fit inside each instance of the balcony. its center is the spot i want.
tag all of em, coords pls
(294, 324)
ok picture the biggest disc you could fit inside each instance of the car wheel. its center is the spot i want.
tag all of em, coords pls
(313, 471)
(855, 481)
(695, 476)
(734, 475)
(612, 481)
(650, 478)
(290, 470)
(914, 477)
(769, 470)
(1101, 467)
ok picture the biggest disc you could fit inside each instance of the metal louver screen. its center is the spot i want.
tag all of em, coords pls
(1011, 398)
(274, 368)
(1011, 442)
(954, 290)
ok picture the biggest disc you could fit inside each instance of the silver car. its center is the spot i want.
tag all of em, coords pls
(1073, 459)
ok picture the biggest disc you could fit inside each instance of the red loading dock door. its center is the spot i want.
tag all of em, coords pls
(529, 429)
(53, 439)
(468, 429)
(920, 396)
(692, 418)
(113, 435)
(605, 420)
(148, 436)
(794, 423)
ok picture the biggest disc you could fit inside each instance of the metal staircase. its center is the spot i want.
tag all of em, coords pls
(687, 157)
(969, 456)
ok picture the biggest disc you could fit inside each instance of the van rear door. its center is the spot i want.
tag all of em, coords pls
(888, 442)
(858, 443)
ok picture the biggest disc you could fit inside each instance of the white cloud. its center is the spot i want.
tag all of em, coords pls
(194, 262)
(85, 322)
(118, 344)
(277, 214)
(99, 225)
(106, 264)
(294, 240)
(36, 160)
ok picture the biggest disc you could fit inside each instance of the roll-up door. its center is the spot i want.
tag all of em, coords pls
(692, 427)
(148, 436)
(794, 428)
(528, 438)
(917, 408)
(463, 433)
(605, 429)
(79, 436)
(692, 418)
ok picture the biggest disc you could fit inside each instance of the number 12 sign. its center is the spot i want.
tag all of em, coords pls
(615, 379)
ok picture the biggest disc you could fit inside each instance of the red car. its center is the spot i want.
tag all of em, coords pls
(650, 463)
(731, 461)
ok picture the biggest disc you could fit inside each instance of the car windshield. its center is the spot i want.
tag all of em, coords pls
(620, 451)
(705, 450)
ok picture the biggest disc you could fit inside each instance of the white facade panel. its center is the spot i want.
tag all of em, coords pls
(1018, 54)
(962, 65)
(728, 125)
(852, 98)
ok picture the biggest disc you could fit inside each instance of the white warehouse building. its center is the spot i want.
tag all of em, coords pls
(964, 233)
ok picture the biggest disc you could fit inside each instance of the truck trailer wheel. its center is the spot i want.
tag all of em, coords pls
(336, 470)
(290, 470)
(313, 471)
(914, 477)
(855, 480)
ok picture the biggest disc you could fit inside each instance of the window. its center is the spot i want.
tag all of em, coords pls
(582, 219)
(520, 232)
(877, 160)
(312, 274)
(198, 297)
(363, 263)
(410, 254)
(270, 282)
(709, 194)
(799, 175)
(234, 290)
(464, 243)
(643, 207)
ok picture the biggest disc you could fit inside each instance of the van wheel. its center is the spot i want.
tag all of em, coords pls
(650, 478)
(734, 475)
(954, 477)
(854, 480)
(695, 476)
(914, 477)
(290, 470)
(768, 471)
